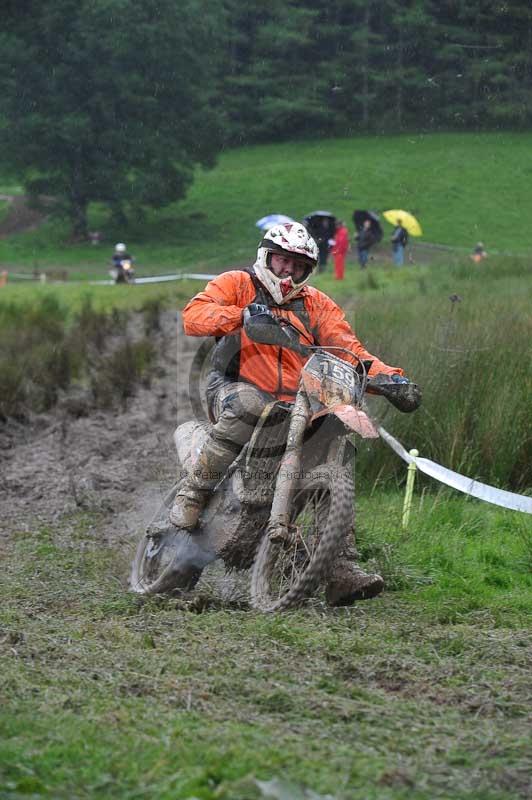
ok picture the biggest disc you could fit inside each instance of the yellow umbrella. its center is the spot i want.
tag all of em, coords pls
(408, 221)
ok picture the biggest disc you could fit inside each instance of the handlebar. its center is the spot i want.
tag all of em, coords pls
(269, 329)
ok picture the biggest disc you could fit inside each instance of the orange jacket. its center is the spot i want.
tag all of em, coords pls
(217, 311)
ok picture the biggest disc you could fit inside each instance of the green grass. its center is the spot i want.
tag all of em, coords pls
(421, 694)
(4, 205)
(459, 557)
(11, 188)
(103, 298)
(463, 187)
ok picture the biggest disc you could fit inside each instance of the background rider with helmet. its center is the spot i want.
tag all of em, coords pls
(119, 258)
(247, 375)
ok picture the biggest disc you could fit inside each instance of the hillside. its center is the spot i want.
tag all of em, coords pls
(463, 187)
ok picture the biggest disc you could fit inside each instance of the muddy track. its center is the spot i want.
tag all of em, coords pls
(20, 217)
(117, 463)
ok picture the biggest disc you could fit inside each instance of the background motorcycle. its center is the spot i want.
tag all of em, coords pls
(286, 504)
(123, 272)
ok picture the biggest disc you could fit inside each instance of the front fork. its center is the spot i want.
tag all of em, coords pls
(287, 477)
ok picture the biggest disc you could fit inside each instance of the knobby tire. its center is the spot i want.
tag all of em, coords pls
(164, 581)
(331, 522)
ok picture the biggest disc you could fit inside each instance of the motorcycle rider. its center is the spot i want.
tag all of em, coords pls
(248, 375)
(120, 255)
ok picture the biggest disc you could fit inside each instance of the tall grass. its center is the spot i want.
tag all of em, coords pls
(475, 416)
(470, 355)
(44, 349)
(34, 359)
(472, 359)
(72, 296)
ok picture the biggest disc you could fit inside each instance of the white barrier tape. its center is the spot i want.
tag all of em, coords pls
(499, 497)
(191, 276)
(182, 276)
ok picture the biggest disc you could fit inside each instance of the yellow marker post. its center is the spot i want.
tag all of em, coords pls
(411, 474)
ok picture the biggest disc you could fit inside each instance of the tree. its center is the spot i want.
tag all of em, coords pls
(483, 65)
(273, 87)
(108, 100)
(300, 68)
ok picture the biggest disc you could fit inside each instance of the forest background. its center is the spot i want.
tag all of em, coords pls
(116, 102)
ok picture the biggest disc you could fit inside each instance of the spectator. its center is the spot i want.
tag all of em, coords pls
(399, 242)
(339, 249)
(322, 231)
(365, 239)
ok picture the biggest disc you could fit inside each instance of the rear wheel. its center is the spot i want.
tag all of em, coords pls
(286, 573)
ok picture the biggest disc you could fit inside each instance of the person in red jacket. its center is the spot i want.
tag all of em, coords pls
(339, 249)
(247, 375)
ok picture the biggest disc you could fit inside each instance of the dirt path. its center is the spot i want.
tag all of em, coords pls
(117, 463)
(20, 218)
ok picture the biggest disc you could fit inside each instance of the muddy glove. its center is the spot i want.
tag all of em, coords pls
(261, 325)
(400, 392)
(257, 314)
(258, 308)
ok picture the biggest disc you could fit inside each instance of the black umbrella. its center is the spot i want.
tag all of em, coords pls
(322, 224)
(319, 214)
(360, 216)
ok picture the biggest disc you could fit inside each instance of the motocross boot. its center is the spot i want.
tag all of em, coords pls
(192, 496)
(348, 583)
(188, 505)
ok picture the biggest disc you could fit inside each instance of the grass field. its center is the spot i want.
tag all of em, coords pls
(421, 694)
(462, 187)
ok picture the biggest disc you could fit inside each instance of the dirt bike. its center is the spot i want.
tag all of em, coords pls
(123, 271)
(285, 507)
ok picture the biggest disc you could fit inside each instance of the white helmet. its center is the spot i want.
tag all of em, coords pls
(291, 239)
(120, 247)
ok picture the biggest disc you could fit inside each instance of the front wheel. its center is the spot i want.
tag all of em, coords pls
(286, 573)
